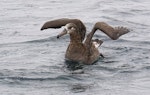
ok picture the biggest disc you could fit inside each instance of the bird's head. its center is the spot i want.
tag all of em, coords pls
(69, 28)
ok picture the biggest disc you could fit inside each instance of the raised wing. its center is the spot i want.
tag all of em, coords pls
(113, 33)
(58, 23)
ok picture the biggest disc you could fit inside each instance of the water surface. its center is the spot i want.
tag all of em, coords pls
(32, 61)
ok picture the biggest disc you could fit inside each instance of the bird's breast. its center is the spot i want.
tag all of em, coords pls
(75, 51)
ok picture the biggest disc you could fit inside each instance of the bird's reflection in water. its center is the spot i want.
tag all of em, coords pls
(77, 69)
(77, 88)
(73, 65)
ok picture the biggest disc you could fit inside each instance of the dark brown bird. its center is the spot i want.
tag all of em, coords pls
(80, 49)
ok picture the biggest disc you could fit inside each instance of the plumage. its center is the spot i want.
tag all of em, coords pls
(83, 52)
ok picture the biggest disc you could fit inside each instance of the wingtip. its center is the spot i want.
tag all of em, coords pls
(41, 29)
(122, 30)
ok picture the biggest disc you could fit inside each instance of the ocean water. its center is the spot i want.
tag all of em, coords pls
(32, 61)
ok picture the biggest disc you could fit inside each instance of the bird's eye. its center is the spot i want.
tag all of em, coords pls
(69, 27)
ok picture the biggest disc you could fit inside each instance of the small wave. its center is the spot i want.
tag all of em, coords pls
(50, 39)
(106, 68)
(28, 79)
(140, 24)
(58, 78)
(145, 68)
(42, 40)
(130, 45)
(129, 71)
(106, 17)
(77, 88)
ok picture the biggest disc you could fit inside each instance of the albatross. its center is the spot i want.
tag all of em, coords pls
(81, 49)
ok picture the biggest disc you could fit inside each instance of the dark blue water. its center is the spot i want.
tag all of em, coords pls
(32, 61)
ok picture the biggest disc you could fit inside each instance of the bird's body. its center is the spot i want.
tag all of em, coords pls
(83, 51)
(79, 52)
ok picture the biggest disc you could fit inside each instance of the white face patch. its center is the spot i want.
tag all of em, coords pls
(69, 30)
(66, 26)
(96, 44)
